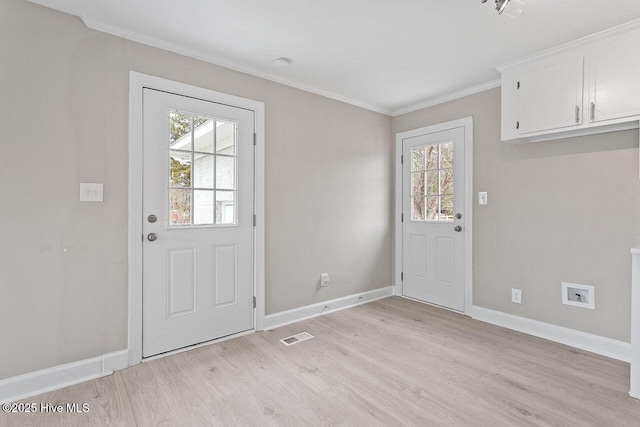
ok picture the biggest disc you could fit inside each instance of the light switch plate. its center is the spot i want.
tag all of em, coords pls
(91, 192)
(482, 198)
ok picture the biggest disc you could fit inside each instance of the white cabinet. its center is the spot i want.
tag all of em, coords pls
(586, 87)
(614, 83)
(550, 97)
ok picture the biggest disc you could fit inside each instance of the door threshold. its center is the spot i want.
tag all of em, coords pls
(193, 347)
(434, 305)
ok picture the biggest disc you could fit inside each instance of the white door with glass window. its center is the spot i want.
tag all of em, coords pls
(198, 194)
(433, 223)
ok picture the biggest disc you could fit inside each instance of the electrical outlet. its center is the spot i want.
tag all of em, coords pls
(516, 296)
(482, 198)
(90, 192)
(324, 279)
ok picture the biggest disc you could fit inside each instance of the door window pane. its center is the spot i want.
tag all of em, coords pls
(180, 126)
(225, 138)
(179, 207)
(202, 207)
(432, 208)
(432, 157)
(202, 161)
(180, 169)
(417, 208)
(204, 134)
(225, 207)
(417, 184)
(435, 180)
(417, 159)
(203, 170)
(225, 173)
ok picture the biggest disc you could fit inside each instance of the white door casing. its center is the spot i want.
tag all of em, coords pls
(138, 82)
(432, 260)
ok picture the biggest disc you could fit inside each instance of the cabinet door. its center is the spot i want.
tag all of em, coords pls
(614, 89)
(551, 97)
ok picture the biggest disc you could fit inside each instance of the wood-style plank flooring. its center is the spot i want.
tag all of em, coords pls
(393, 362)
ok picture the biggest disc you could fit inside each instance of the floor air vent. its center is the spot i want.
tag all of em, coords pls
(295, 339)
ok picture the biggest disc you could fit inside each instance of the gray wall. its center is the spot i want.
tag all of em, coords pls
(564, 210)
(63, 264)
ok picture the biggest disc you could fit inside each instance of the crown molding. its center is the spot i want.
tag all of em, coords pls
(446, 98)
(171, 47)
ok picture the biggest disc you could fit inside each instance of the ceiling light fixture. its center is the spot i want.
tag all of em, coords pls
(510, 8)
(282, 63)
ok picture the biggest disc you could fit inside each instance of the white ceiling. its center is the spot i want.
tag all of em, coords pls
(384, 55)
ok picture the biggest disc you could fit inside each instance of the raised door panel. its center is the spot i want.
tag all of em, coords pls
(614, 90)
(550, 97)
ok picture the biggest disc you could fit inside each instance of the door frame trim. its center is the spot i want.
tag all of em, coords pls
(137, 82)
(467, 124)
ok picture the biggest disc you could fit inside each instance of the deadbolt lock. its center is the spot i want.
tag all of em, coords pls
(152, 218)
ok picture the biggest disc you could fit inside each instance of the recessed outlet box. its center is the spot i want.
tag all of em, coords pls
(324, 279)
(578, 295)
(516, 296)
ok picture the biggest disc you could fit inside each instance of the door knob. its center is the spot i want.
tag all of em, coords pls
(457, 228)
(152, 237)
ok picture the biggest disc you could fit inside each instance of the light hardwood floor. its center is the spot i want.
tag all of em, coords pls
(389, 363)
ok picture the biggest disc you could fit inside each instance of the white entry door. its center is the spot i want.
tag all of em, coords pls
(433, 224)
(198, 184)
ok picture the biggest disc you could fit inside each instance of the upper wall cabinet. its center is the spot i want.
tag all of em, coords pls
(614, 83)
(550, 97)
(585, 87)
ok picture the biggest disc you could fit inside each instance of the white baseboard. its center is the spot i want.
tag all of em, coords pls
(282, 318)
(34, 383)
(609, 347)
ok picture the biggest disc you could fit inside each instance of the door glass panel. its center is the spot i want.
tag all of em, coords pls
(225, 138)
(179, 207)
(225, 207)
(225, 173)
(446, 208)
(180, 169)
(432, 208)
(202, 161)
(417, 208)
(435, 181)
(446, 155)
(432, 182)
(180, 126)
(446, 181)
(204, 134)
(202, 207)
(432, 157)
(417, 184)
(203, 170)
(417, 159)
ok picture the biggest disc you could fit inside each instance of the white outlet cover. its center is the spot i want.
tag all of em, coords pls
(91, 192)
(516, 296)
(482, 198)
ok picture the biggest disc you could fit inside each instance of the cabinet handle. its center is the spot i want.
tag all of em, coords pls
(577, 114)
(593, 111)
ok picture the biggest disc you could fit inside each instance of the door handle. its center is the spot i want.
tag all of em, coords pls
(152, 237)
(457, 228)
